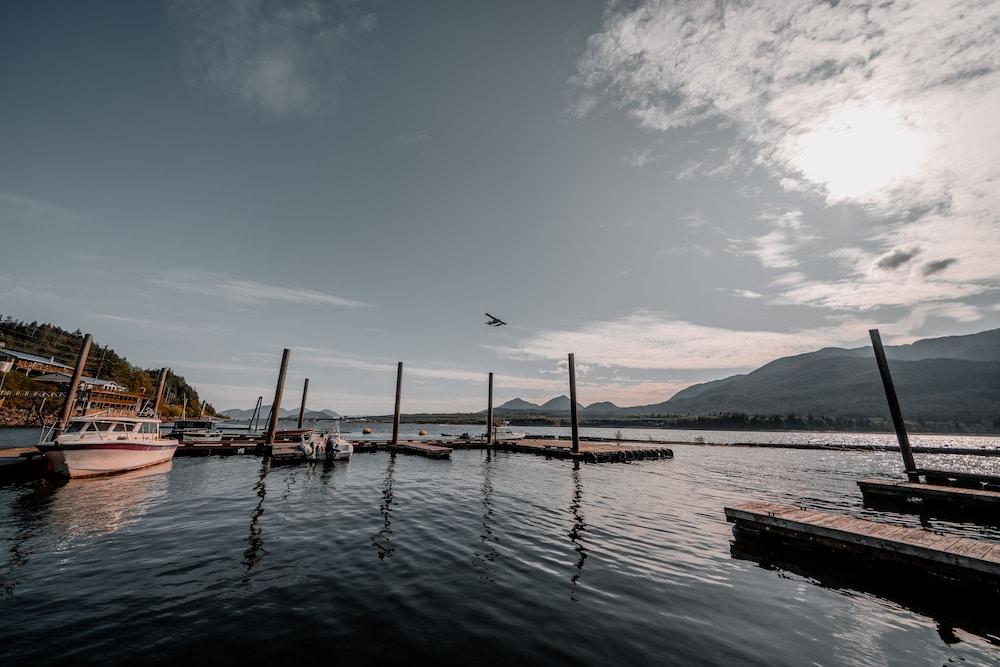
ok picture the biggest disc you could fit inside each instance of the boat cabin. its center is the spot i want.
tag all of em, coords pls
(103, 427)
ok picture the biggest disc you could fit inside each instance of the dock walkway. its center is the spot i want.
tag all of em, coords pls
(962, 558)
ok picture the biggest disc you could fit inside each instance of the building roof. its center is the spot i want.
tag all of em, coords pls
(24, 356)
(93, 382)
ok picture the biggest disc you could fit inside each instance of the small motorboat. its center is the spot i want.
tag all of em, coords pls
(195, 431)
(99, 444)
(313, 445)
(318, 446)
(337, 448)
(503, 433)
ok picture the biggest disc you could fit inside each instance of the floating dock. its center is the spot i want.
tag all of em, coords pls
(917, 496)
(930, 553)
(22, 461)
(590, 451)
(968, 480)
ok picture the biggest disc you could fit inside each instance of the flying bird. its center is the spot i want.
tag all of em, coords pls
(494, 321)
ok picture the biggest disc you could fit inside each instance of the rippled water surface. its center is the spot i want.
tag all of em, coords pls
(482, 559)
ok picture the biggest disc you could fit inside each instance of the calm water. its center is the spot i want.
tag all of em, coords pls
(480, 559)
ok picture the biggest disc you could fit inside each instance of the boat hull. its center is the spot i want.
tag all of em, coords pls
(94, 459)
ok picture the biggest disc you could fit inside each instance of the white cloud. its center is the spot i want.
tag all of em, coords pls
(15, 209)
(890, 106)
(247, 291)
(647, 340)
(277, 56)
(168, 328)
(503, 381)
(777, 249)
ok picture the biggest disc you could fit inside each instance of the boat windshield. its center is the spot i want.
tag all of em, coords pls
(92, 426)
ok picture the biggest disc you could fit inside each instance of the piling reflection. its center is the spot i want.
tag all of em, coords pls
(255, 550)
(382, 540)
(486, 556)
(576, 535)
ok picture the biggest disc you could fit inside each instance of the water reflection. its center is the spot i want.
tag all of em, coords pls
(576, 535)
(255, 551)
(382, 540)
(952, 605)
(488, 554)
(57, 513)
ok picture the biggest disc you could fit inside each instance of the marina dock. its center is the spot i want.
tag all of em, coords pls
(916, 496)
(924, 551)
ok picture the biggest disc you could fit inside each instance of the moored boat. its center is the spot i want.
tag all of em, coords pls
(101, 445)
(195, 431)
(503, 433)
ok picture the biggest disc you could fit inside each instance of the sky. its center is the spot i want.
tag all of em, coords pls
(673, 191)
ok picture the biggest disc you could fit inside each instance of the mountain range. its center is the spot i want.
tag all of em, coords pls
(242, 415)
(953, 378)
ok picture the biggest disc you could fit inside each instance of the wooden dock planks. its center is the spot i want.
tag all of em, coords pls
(591, 452)
(927, 549)
(420, 448)
(918, 495)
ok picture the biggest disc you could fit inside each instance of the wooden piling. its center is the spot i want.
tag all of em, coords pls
(909, 464)
(279, 390)
(74, 383)
(399, 395)
(574, 418)
(302, 407)
(489, 414)
(161, 382)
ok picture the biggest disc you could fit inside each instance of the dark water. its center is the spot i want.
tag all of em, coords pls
(478, 560)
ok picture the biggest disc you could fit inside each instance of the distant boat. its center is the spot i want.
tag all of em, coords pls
(195, 431)
(102, 445)
(504, 433)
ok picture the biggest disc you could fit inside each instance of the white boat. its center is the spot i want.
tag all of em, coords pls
(317, 446)
(195, 431)
(504, 433)
(101, 445)
(338, 448)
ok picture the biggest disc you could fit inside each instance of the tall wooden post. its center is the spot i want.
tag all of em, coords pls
(272, 422)
(489, 415)
(74, 383)
(574, 418)
(399, 395)
(161, 382)
(897, 415)
(302, 408)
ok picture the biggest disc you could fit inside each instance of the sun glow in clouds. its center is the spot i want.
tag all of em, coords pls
(858, 150)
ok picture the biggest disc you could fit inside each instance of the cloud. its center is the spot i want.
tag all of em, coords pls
(412, 139)
(897, 257)
(887, 106)
(931, 268)
(15, 209)
(779, 248)
(371, 365)
(648, 340)
(168, 328)
(742, 293)
(247, 291)
(276, 56)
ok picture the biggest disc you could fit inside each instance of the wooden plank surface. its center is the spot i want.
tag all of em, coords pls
(917, 544)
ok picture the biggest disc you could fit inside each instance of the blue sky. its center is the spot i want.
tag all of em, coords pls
(674, 191)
